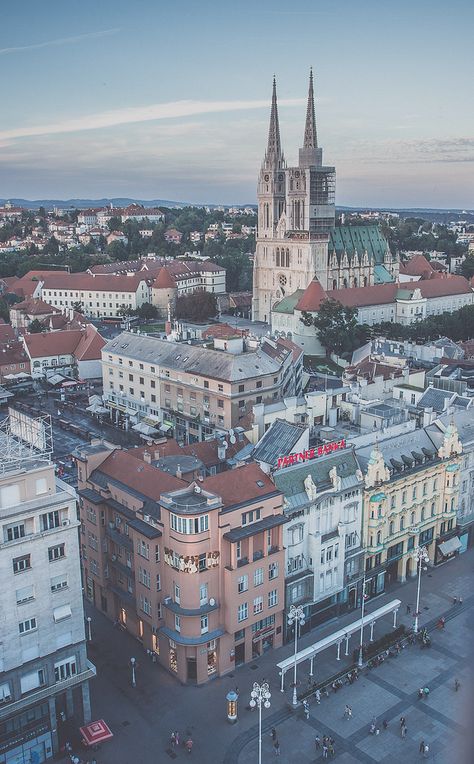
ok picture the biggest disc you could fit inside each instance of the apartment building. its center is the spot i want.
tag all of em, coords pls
(410, 499)
(323, 536)
(190, 391)
(193, 567)
(45, 672)
(100, 295)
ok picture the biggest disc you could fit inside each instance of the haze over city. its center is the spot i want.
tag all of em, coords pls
(150, 100)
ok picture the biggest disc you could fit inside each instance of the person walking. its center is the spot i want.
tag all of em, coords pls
(385, 724)
(276, 746)
(422, 747)
(176, 737)
(426, 751)
(457, 684)
(273, 734)
(402, 721)
(306, 709)
(173, 740)
(317, 742)
(404, 730)
(325, 751)
(189, 745)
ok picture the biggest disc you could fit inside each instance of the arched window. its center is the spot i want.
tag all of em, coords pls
(278, 258)
(433, 509)
(355, 282)
(402, 523)
(345, 283)
(379, 537)
(334, 284)
(422, 514)
(391, 528)
(452, 504)
(365, 280)
(413, 518)
(287, 258)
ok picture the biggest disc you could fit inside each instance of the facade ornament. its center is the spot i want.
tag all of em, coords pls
(310, 487)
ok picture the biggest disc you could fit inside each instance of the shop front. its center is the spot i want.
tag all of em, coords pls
(263, 636)
(26, 738)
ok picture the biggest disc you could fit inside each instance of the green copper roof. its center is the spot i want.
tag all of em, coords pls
(287, 304)
(358, 238)
(381, 275)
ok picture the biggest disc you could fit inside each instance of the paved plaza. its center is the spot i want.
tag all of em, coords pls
(143, 718)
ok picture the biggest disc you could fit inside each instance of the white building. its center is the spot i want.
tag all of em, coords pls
(43, 660)
(323, 503)
(100, 295)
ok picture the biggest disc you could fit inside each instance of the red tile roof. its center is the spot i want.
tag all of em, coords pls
(164, 280)
(35, 307)
(240, 485)
(297, 352)
(90, 345)
(223, 331)
(7, 333)
(99, 283)
(83, 344)
(418, 265)
(312, 297)
(139, 475)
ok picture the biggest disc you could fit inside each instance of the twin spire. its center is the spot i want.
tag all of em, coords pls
(274, 154)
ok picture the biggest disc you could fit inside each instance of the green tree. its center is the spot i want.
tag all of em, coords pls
(337, 328)
(147, 310)
(78, 306)
(4, 310)
(198, 306)
(115, 223)
(467, 266)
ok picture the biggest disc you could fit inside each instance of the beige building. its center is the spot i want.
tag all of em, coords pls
(100, 295)
(190, 390)
(410, 500)
(192, 568)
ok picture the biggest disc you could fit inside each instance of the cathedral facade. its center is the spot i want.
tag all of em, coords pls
(297, 239)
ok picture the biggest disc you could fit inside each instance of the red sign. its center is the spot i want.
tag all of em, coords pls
(311, 453)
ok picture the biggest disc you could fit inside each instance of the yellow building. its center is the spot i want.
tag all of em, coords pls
(410, 500)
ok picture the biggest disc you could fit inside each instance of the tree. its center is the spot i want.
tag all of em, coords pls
(198, 306)
(36, 327)
(78, 307)
(467, 266)
(337, 328)
(124, 310)
(147, 310)
(4, 309)
(115, 223)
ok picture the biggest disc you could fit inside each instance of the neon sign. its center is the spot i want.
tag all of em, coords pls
(311, 453)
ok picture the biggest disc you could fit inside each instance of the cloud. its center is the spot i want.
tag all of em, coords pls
(60, 41)
(171, 110)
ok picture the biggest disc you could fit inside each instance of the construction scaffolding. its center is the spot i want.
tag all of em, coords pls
(24, 439)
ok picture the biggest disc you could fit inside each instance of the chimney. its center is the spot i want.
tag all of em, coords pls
(221, 449)
(147, 457)
(179, 474)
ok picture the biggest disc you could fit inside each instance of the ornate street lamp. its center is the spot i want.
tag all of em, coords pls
(259, 696)
(296, 617)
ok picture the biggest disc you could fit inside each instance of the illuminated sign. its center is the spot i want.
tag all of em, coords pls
(311, 453)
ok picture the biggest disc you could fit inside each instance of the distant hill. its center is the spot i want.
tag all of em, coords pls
(48, 204)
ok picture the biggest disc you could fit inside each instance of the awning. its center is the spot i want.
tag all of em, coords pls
(96, 408)
(165, 427)
(62, 612)
(450, 546)
(95, 733)
(152, 419)
(144, 429)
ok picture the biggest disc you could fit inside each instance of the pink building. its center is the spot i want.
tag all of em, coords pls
(192, 566)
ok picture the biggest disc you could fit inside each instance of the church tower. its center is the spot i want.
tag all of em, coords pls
(271, 181)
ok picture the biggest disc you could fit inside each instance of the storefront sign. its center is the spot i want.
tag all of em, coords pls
(311, 453)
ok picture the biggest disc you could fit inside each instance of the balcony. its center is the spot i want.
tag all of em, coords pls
(120, 539)
(258, 555)
(45, 692)
(243, 561)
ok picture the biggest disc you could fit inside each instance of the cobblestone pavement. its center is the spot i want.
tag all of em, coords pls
(143, 718)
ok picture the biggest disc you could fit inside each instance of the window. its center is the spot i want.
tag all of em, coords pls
(49, 521)
(26, 594)
(241, 388)
(220, 388)
(295, 534)
(259, 383)
(258, 577)
(14, 532)
(206, 384)
(145, 605)
(220, 403)
(329, 554)
(5, 692)
(31, 681)
(177, 593)
(65, 669)
(61, 613)
(189, 525)
(9, 495)
(242, 584)
(25, 626)
(273, 598)
(144, 577)
(391, 528)
(273, 571)
(21, 564)
(143, 549)
(56, 552)
(177, 623)
(203, 594)
(204, 624)
(242, 612)
(58, 582)
(251, 517)
(433, 509)
(404, 497)
(257, 605)
(157, 553)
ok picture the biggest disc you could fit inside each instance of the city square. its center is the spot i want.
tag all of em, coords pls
(143, 718)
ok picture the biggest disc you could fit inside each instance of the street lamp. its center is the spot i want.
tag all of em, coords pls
(421, 556)
(89, 630)
(133, 662)
(361, 642)
(296, 617)
(259, 696)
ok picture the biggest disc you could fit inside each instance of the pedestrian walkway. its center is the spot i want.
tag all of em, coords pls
(143, 718)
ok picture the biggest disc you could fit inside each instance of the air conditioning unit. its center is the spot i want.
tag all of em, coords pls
(66, 522)
(147, 518)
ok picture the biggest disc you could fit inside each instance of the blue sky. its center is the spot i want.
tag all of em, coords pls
(154, 99)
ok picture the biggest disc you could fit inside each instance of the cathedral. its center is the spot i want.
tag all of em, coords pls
(297, 239)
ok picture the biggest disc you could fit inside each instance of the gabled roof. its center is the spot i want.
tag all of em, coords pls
(35, 307)
(418, 265)
(240, 485)
(358, 238)
(85, 344)
(164, 280)
(138, 475)
(312, 298)
(90, 345)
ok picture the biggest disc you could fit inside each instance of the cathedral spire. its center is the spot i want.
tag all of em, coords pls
(310, 134)
(310, 154)
(274, 154)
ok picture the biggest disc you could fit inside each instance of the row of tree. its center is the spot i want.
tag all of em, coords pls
(338, 331)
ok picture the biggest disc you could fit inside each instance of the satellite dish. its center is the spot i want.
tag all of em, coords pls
(212, 602)
(225, 444)
(233, 439)
(197, 489)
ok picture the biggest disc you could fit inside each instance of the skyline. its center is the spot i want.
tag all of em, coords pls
(174, 103)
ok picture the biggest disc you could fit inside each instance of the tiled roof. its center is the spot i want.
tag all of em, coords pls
(290, 480)
(138, 475)
(193, 359)
(99, 283)
(222, 331)
(312, 298)
(85, 344)
(360, 239)
(418, 265)
(35, 307)
(435, 398)
(240, 485)
(164, 280)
